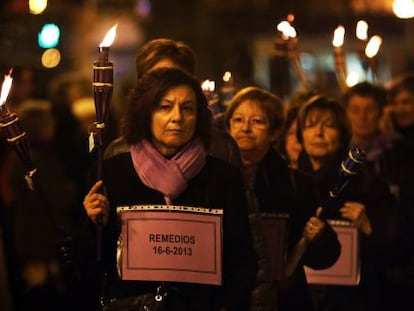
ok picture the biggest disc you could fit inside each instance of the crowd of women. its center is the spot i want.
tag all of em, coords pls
(268, 167)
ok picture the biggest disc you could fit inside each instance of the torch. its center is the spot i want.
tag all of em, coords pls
(14, 133)
(361, 33)
(288, 44)
(348, 168)
(371, 51)
(339, 57)
(16, 137)
(227, 89)
(213, 99)
(102, 90)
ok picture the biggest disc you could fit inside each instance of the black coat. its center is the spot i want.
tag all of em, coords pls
(279, 190)
(378, 249)
(218, 186)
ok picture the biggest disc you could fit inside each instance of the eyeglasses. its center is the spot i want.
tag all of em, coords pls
(255, 122)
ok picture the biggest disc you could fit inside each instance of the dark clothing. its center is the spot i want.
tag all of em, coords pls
(389, 157)
(217, 186)
(6, 298)
(39, 219)
(406, 132)
(275, 192)
(376, 250)
(392, 161)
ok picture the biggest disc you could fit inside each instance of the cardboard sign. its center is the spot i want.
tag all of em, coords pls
(346, 270)
(171, 243)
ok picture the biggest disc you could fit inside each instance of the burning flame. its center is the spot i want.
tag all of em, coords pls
(227, 76)
(339, 34)
(362, 30)
(287, 30)
(208, 86)
(109, 37)
(352, 78)
(5, 88)
(373, 46)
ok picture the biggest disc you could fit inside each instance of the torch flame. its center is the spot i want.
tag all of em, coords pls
(5, 88)
(373, 46)
(339, 34)
(208, 85)
(109, 37)
(362, 30)
(287, 30)
(227, 76)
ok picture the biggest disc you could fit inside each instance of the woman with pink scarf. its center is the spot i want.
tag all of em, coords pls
(168, 125)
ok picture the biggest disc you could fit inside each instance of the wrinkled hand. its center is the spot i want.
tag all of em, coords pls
(356, 212)
(314, 226)
(96, 204)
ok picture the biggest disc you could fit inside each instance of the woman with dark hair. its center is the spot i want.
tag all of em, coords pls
(254, 118)
(168, 126)
(168, 53)
(325, 133)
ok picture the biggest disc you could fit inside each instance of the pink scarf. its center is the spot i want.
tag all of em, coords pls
(168, 176)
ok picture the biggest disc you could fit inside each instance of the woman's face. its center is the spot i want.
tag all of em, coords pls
(174, 120)
(250, 128)
(403, 108)
(292, 146)
(320, 134)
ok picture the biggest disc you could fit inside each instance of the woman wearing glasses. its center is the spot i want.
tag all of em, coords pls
(254, 119)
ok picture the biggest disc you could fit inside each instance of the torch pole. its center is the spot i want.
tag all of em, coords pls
(340, 68)
(299, 71)
(102, 90)
(16, 137)
(373, 67)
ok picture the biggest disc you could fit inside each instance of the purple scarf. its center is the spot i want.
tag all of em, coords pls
(168, 176)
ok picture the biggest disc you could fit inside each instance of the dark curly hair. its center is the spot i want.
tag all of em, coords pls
(145, 97)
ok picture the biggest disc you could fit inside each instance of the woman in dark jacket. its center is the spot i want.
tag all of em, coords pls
(254, 118)
(324, 131)
(168, 127)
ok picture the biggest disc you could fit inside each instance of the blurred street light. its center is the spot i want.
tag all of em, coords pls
(403, 8)
(37, 6)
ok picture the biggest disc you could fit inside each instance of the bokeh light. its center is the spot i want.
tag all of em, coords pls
(51, 58)
(49, 36)
(37, 6)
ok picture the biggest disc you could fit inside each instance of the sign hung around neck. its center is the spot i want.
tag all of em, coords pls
(170, 243)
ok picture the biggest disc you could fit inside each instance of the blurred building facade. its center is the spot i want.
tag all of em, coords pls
(231, 35)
